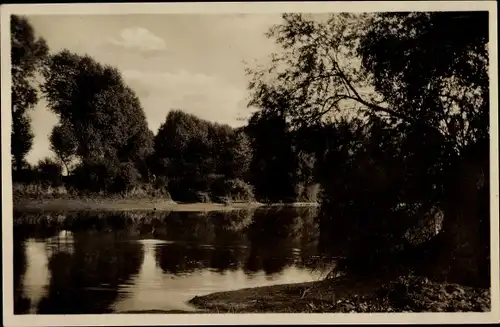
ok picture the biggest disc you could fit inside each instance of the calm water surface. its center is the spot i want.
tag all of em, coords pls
(156, 262)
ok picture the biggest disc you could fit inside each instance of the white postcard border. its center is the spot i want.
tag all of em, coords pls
(232, 8)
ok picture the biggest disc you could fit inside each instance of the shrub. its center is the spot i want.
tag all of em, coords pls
(94, 176)
(49, 172)
(202, 197)
(231, 190)
(161, 183)
(27, 175)
(127, 178)
(240, 190)
(183, 190)
(308, 193)
(105, 176)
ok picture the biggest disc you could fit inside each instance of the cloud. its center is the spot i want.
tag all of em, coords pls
(42, 122)
(206, 96)
(139, 38)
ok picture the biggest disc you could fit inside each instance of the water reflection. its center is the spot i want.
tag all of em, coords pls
(63, 241)
(21, 303)
(87, 280)
(136, 262)
(150, 289)
(37, 275)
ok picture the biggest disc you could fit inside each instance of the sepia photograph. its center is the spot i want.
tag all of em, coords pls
(249, 163)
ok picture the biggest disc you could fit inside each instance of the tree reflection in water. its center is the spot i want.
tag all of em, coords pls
(106, 262)
(21, 303)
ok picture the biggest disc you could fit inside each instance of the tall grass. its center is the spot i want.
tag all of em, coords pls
(39, 191)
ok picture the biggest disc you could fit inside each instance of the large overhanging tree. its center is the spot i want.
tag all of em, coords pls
(420, 79)
(429, 68)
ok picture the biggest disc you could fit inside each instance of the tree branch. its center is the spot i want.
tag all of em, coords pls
(357, 96)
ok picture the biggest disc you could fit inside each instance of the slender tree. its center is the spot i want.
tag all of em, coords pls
(64, 144)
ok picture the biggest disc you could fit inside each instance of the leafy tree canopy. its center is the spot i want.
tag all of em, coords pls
(189, 148)
(409, 68)
(101, 119)
(391, 104)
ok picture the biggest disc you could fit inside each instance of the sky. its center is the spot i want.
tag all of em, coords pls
(191, 62)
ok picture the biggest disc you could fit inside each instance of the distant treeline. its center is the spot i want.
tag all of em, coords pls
(189, 159)
(387, 114)
(102, 143)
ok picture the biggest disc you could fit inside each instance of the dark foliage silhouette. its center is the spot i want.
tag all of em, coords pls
(398, 126)
(101, 123)
(27, 56)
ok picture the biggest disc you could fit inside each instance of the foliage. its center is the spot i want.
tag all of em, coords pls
(280, 168)
(270, 164)
(414, 294)
(193, 153)
(391, 126)
(444, 87)
(102, 123)
(161, 183)
(27, 55)
(64, 144)
(49, 172)
(127, 178)
(340, 68)
(236, 155)
(224, 190)
(39, 191)
(202, 197)
(94, 176)
(437, 70)
(26, 175)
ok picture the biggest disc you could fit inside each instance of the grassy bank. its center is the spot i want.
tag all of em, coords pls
(45, 198)
(117, 204)
(343, 295)
(134, 204)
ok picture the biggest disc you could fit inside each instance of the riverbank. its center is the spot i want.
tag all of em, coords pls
(122, 205)
(342, 295)
(109, 204)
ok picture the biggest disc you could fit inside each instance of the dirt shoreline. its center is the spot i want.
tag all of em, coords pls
(136, 205)
(348, 295)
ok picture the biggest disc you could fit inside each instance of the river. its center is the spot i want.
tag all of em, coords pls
(101, 262)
